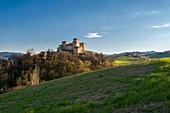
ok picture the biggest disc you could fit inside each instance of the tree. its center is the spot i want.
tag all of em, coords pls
(30, 51)
(35, 78)
(87, 65)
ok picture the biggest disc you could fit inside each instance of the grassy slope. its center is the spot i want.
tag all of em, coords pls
(126, 60)
(138, 88)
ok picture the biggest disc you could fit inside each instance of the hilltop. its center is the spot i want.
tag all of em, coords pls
(142, 87)
(30, 69)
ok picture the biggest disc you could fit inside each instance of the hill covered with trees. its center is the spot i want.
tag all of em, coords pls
(30, 69)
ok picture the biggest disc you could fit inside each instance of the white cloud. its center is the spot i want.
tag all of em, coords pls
(146, 13)
(161, 26)
(93, 35)
(154, 12)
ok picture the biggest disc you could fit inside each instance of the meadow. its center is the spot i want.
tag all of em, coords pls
(137, 87)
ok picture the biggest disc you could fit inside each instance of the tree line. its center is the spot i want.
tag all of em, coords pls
(30, 69)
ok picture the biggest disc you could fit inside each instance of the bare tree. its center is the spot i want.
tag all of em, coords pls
(31, 51)
(35, 75)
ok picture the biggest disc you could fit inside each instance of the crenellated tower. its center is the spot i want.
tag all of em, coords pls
(74, 47)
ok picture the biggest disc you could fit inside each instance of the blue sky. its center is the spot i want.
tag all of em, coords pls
(108, 26)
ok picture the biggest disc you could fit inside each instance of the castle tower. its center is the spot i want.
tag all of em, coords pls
(64, 43)
(76, 42)
(83, 46)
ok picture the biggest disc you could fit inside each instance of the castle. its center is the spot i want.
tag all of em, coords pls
(75, 47)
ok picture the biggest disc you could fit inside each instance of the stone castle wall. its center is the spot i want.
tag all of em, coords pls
(74, 47)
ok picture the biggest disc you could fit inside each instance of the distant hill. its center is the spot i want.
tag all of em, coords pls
(6, 55)
(140, 53)
(159, 54)
(149, 54)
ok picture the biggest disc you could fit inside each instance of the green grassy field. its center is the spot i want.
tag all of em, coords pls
(127, 60)
(142, 87)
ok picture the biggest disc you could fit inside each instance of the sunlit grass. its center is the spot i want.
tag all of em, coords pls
(120, 62)
(165, 59)
(142, 87)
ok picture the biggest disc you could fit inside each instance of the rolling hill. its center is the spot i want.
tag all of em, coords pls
(148, 54)
(6, 55)
(142, 87)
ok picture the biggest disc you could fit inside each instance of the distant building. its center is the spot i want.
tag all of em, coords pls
(74, 47)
